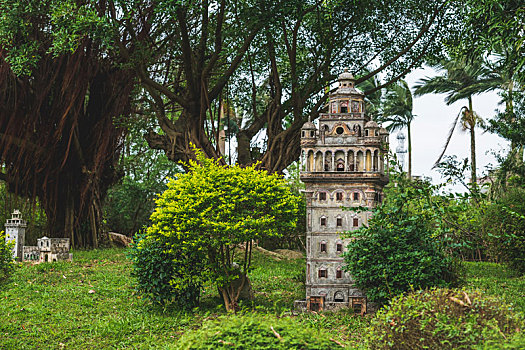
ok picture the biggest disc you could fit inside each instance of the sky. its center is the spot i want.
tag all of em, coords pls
(432, 124)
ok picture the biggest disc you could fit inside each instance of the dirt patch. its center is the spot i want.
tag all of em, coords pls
(290, 254)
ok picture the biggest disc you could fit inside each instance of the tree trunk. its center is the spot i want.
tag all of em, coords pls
(238, 289)
(409, 152)
(472, 122)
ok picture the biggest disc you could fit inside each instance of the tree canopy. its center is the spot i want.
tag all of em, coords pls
(275, 71)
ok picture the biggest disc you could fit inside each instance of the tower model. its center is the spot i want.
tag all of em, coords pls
(15, 230)
(342, 166)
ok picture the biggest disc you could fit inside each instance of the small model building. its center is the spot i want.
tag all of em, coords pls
(47, 249)
(343, 165)
(15, 230)
(53, 249)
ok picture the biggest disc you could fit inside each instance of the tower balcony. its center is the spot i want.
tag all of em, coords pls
(342, 116)
(344, 176)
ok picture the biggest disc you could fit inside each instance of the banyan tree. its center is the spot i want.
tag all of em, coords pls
(60, 93)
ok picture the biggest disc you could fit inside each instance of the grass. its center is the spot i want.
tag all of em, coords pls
(90, 304)
(496, 279)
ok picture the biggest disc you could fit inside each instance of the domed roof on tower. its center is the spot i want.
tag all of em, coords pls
(346, 75)
(347, 84)
(309, 126)
(371, 125)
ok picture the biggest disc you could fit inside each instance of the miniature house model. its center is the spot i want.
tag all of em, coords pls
(48, 250)
(342, 166)
(51, 249)
(15, 230)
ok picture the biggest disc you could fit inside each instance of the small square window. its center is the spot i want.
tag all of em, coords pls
(356, 196)
(323, 247)
(323, 273)
(339, 222)
(356, 222)
(339, 248)
(322, 196)
(323, 221)
(339, 196)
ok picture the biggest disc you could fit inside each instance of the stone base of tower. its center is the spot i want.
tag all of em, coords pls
(318, 304)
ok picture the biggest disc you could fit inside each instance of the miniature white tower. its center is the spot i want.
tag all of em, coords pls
(401, 151)
(15, 230)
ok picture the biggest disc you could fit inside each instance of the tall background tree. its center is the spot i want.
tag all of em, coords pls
(457, 78)
(61, 87)
(275, 72)
(397, 112)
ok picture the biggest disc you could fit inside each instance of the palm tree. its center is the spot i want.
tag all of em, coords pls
(397, 111)
(460, 80)
(505, 78)
(373, 101)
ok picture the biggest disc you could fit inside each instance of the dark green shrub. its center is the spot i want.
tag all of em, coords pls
(154, 270)
(254, 331)
(442, 319)
(400, 250)
(6, 258)
(504, 223)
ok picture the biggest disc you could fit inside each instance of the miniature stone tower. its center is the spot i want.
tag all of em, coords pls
(15, 230)
(342, 166)
(401, 150)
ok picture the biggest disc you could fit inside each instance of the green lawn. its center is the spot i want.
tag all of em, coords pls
(90, 304)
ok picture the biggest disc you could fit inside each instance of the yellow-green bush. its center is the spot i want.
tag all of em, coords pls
(205, 223)
(6, 258)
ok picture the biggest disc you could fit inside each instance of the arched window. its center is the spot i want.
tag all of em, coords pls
(356, 196)
(339, 297)
(344, 105)
(322, 196)
(339, 196)
(339, 273)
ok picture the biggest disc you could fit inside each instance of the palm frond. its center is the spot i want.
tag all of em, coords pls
(450, 132)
